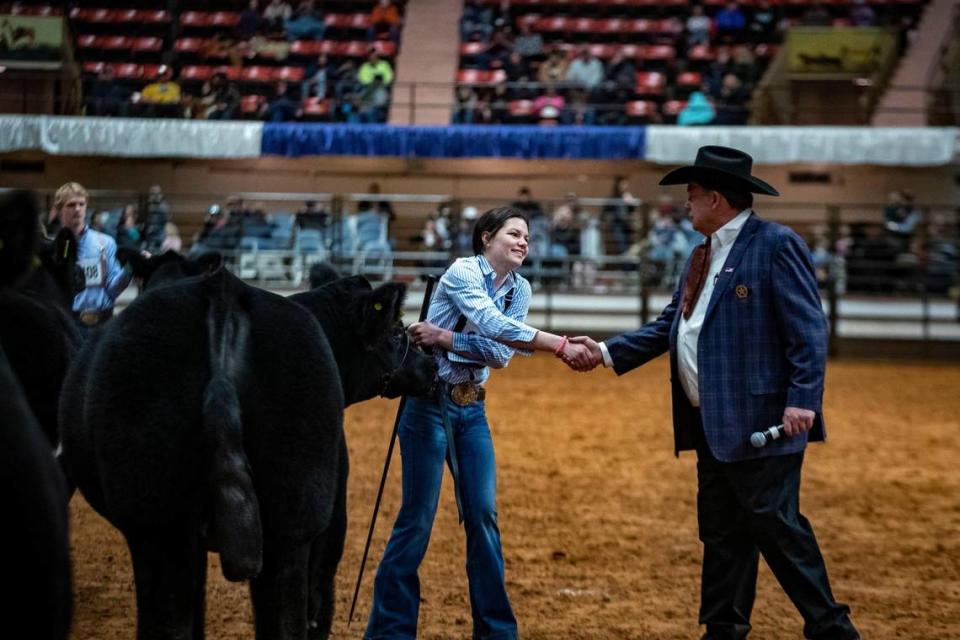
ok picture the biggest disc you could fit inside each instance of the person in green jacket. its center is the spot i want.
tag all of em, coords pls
(374, 66)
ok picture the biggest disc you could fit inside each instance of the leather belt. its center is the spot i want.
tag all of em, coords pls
(465, 393)
(93, 318)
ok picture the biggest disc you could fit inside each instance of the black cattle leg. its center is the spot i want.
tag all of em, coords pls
(325, 555)
(200, 594)
(167, 580)
(279, 593)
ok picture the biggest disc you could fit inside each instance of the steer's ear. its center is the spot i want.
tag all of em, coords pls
(388, 300)
(209, 262)
(19, 235)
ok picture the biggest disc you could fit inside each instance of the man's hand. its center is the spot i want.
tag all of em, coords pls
(428, 335)
(797, 421)
(584, 354)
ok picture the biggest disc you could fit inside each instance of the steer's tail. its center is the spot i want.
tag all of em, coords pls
(235, 512)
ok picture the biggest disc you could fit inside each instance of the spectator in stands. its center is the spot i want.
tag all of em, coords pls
(666, 247)
(817, 16)
(385, 20)
(249, 23)
(504, 14)
(501, 46)
(476, 23)
(171, 239)
(282, 108)
(346, 83)
(549, 106)
(539, 225)
(158, 214)
(745, 67)
(731, 102)
(586, 70)
(620, 82)
(553, 69)
(730, 23)
(764, 22)
(941, 256)
(128, 233)
(161, 98)
(307, 23)
(901, 216)
(616, 217)
(697, 111)
(312, 216)
(374, 101)
(107, 97)
(461, 242)
(220, 47)
(499, 104)
(528, 44)
(517, 68)
(564, 239)
(318, 78)
(698, 26)
(465, 105)
(717, 70)
(276, 13)
(380, 205)
(219, 99)
(375, 66)
(219, 232)
(862, 14)
(527, 204)
(578, 110)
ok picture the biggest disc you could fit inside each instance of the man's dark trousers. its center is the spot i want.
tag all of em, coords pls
(749, 508)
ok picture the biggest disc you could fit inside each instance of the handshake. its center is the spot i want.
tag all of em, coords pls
(580, 353)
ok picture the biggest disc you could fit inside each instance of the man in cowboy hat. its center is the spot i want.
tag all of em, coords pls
(747, 339)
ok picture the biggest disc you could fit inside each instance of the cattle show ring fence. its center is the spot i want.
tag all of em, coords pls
(606, 265)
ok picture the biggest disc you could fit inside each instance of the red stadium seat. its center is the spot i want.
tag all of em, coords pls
(147, 44)
(100, 16)
(336, 20)
(93, 67)
(251, 104)
(659, 52)
(79, 15)
(258, 74)
(310, 48)
(289, 74)
(189, 45)
(385, 48)
(316, 107)
(689, 79)
(354, 49)
(223, 19)
(613, 25)
(583, 25)
(193, 19)
(88, 42)
(115, 43)
(196, 72)
(551, 24)
(640, 108)
(129, 71)
(640, 25)
(701, 52)
(650, 83)
(152, 16)
(670, 26)
(41, 11)
(521, 108)
(125, 15)
(360, 20)
(477, 76)
(472, 48)
(150, 71)
(673, 107)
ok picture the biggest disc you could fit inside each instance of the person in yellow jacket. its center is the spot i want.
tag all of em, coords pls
(375, 66)
(162, 97)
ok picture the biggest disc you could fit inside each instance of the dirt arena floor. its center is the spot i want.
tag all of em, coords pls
(598, 517)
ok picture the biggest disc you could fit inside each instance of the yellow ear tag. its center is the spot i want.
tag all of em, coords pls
(378, 306)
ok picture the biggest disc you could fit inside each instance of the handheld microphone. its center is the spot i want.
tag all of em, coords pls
(763, 438)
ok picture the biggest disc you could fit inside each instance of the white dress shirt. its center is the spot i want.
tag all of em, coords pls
(688, 333)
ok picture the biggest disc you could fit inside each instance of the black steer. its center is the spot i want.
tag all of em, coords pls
(37, 331)
(33, 539)
(210, 414)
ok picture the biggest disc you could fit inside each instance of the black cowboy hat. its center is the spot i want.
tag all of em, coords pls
(721, 164)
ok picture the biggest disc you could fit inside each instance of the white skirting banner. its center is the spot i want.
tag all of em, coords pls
(131, 137)
(892, 146)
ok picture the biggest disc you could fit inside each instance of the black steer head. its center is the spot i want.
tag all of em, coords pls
(157, 271)
(60, 279)
(19, 235)
(388, 364)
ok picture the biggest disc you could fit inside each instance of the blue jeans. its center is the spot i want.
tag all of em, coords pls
(423, 448)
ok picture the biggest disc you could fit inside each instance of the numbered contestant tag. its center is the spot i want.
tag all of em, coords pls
(93, 275)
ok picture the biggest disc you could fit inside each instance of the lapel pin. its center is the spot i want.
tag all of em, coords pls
(742, 291)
